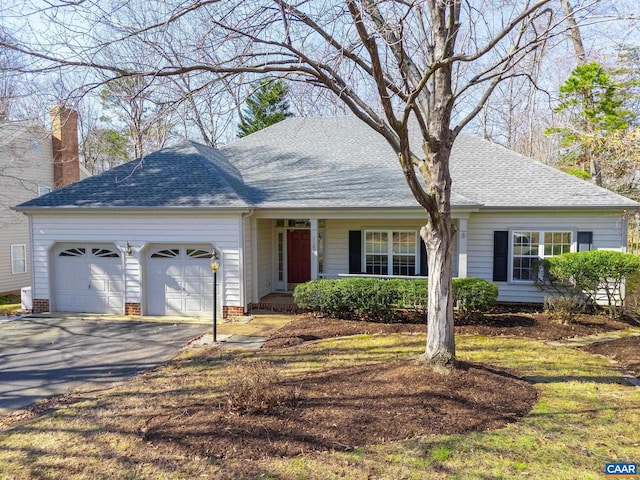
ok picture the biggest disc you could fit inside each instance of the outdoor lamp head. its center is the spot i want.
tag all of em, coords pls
(213, 262)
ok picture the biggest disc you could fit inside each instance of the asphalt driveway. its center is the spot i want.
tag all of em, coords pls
(41, 357)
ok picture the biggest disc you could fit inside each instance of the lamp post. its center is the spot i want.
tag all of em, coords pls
(213, 263)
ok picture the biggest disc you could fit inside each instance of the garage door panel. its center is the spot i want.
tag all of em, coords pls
(179, 281)
(195, 304)
(174, 270)
(73, 267)
(89, 279)
(196, 271)
(114, 302)
(69, 303)
(100, 285)
(174, 306)
(116, 285)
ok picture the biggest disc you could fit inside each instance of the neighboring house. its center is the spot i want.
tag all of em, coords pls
(33, 162)
(303, 199)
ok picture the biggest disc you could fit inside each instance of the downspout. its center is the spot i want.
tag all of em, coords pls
(243, 273)
(33, 270)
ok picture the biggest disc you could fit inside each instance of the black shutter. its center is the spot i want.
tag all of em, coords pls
(424, 271)
(355, 251)
(500, 256)
(585, 241)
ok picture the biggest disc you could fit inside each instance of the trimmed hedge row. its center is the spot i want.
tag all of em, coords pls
(378, 299)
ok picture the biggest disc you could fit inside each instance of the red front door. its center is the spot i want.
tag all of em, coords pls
(298, 256)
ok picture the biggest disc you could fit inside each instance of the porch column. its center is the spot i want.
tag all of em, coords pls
(253, 228)
(462, 247)
(314, 248)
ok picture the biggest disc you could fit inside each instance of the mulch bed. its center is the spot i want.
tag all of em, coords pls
(309, 327)
(625, 352)
(344, 408)
(540, 326)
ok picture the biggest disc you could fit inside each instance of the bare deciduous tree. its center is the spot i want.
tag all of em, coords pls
(408, 69)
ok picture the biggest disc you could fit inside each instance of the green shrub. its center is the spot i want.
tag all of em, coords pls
(321, 296)
(379, 299)
(474, 295)
(411, 294)
(600, 274)
(578, 172)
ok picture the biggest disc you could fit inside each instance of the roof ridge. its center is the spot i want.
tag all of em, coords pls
(210, 164)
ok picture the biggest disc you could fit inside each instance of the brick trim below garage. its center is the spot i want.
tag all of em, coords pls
(40, 305)
(133, 309)
(228, 311)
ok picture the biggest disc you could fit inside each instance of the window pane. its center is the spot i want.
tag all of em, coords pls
(18, 259)
(72, 252)
(522, 268)
(376, 242)
(401, 261)
(281, 256)
(404, 265)
(103, 252)
(320, 251)
(166, 253)
(193, 253)
(377, 264)
(525, 249)
(556, 243)
(404, 242)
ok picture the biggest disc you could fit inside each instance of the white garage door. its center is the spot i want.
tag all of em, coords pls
(88, 278)
(179, 281)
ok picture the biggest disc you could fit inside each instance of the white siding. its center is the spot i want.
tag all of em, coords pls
(140, 231)
(25, 164)
(266, 253)
(607, 228)
(133, 270)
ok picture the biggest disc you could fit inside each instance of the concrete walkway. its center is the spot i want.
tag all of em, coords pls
(250, 332)
(249, 342)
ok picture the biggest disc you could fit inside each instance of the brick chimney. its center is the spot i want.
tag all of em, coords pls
(64, 135)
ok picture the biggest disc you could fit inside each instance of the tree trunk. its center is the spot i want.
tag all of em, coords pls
(441, 349)
(576, 35)
(438, 236)
(594, 169)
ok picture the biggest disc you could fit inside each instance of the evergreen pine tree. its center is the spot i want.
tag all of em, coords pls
(266, 106)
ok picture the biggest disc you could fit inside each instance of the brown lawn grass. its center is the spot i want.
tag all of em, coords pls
(585, 416)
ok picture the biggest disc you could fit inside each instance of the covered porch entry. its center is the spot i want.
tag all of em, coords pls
(284, 252)
(296, 250)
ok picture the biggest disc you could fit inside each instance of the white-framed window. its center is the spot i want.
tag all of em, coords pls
(528, 247)
(388, 252)
(43, 190)
(18, 259)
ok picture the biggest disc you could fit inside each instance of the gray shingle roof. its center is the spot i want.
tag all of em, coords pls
(498, 177)
(323, 162)
(340, 161)
(180, 176)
